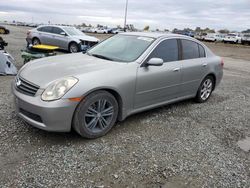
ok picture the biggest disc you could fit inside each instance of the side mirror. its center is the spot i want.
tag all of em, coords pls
(155, 62)
(63, 33)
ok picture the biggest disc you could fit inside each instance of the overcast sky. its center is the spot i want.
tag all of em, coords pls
(218, 14)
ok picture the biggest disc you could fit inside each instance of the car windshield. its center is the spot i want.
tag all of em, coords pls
(123, 48)
(72, 31)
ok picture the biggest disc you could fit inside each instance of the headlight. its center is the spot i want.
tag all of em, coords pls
(58, 88)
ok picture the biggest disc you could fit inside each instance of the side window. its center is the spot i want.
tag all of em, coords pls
(190, 50)
(202, 51)
(40, 29)
(46, 29)
(57, 30)
(166, 50)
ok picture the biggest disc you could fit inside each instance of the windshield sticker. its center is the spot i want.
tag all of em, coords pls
(145, 39)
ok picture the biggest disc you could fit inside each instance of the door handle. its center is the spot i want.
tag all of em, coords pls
(176, 69)
(204, 64)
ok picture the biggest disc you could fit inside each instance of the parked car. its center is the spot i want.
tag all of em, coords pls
(245, 38)
(232, 38)
(4, 30)
(213, 37)
(117, 30)
(183, 32)
(123, 75)
(65, 37)
(99, 30)
(200, 36)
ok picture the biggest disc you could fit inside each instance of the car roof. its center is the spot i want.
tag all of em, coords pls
(61, 26)
(154, 34)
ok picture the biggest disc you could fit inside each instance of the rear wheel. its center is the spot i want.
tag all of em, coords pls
(205, 90)
(36, 41)
(96, 114)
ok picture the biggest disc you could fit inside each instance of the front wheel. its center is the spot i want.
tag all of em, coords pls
(205, 90)
(96, 114)
(73, 47)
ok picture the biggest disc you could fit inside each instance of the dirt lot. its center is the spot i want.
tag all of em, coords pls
(180, 145)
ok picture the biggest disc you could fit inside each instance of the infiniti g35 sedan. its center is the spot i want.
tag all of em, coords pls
(123, 75)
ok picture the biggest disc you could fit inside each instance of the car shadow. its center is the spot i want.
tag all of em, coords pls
(55, 138)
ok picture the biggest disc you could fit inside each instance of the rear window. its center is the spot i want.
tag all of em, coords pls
(190, 50)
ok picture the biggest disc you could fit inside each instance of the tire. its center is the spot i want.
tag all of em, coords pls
(73, 47)
(89, 120)
(205, 90)
(36, 41)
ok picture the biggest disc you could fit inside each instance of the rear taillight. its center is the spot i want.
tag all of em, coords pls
(222, 63)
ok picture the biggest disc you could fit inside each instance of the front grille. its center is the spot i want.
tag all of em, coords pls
(30, 115)
(26, 87)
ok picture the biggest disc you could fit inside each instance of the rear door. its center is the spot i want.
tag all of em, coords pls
(194, 66)
(45, 35)
(156, 84)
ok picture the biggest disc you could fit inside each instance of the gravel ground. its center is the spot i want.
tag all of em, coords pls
(180, 145)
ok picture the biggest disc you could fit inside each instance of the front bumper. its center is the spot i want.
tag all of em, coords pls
(53, 116)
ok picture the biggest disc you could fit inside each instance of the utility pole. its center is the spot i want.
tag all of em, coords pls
(126, 11)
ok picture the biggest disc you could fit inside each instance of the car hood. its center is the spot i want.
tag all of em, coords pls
(86, 38)
(46, 70)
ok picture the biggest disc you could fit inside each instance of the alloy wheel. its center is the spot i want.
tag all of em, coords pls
(206, 89)
(99, 116)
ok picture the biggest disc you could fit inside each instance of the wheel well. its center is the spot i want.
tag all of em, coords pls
(35, 38)
(119, 101)
(214, 78)
(71, 43)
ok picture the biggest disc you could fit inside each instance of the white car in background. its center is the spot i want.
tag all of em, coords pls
(213, 37)
(116, 31)
(99, 30)
(233, 38)
(200, 36)
(245, 38)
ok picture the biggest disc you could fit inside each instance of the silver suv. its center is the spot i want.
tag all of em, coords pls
(67, 38)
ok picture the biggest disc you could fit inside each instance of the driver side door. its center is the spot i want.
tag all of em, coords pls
(157, 84)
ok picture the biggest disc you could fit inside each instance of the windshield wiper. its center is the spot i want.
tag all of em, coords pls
(102, 57)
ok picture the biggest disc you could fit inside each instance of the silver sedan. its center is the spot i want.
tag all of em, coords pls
(65, 37)
(125, 74)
